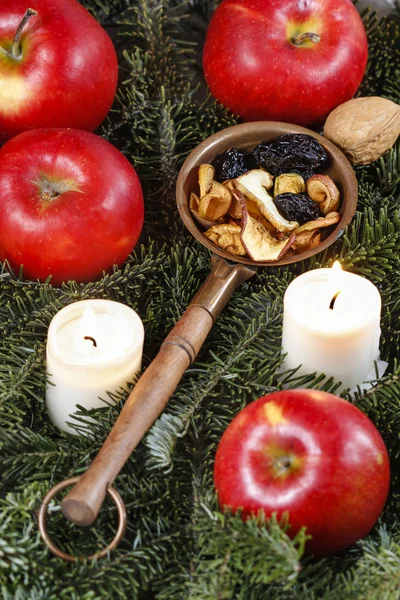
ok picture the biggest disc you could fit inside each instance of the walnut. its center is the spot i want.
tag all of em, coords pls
(364, 128)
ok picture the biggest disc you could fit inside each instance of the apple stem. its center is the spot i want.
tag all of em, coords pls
(16, 48)
(299, 39)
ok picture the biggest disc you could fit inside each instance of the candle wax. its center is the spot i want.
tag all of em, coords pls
(107, 336)
(93, 347)
(343, 341)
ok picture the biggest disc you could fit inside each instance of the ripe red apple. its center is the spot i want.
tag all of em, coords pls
(71, 205)
(58, 67)
(309, 453)
(285, 60)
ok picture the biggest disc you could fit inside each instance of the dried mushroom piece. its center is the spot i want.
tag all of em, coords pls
(321, 189)
(206, 177)
(307, 240)
(289, 183)
(227, 237)
(254, 185)
(327, 221)
(260, 245)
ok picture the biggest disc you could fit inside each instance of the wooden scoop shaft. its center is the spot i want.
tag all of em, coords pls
(153, 390)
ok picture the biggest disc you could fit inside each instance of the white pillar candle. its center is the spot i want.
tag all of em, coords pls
(331, 325)
(93, 347)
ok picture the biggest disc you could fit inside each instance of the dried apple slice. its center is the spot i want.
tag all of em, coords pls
(260, 245)
(289, 183)
(227, 237)
(235, 210)
(327, 221)
(307, 240)
(215, 205)
(254, 185)
(194, 204)
(322, 189)
(206, 177)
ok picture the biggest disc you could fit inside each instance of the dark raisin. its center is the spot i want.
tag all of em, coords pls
(297, 207)
(232, 163)
(291, 153)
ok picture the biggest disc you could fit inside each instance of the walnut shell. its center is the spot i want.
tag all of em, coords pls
(364, 128)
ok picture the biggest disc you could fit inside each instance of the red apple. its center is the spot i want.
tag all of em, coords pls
(308, 453)
(61, 71)
(285, 60)
(71, 205)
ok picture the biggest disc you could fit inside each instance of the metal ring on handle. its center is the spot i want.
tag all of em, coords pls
(55, 549)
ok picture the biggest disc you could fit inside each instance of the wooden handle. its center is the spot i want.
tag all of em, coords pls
(153, 390)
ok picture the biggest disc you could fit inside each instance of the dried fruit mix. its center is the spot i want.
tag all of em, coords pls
(265, 202)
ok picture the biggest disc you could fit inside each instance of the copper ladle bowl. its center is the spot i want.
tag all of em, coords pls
(247, 136)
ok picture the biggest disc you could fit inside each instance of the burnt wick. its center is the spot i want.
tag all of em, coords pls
(332, 304)
(89, 337)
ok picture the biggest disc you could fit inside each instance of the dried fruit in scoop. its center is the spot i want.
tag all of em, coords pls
(206, 177)
(227, 237)
(260, 245)
(232, 163)
(291, 153)
(321, 189)
(330, 219)
(289, 183)
(214, 205)
(297, 207)
(254, 185)
(307, 240)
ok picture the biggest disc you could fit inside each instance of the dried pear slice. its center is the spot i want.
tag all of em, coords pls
(289, 183)
(227, 237)
(260, 245)
(322, 189)
(206, 177)
(307, 240)
(326, 221)
(254, 186)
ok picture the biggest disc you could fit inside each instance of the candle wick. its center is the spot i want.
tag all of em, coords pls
(332, 304)
(89, 337)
